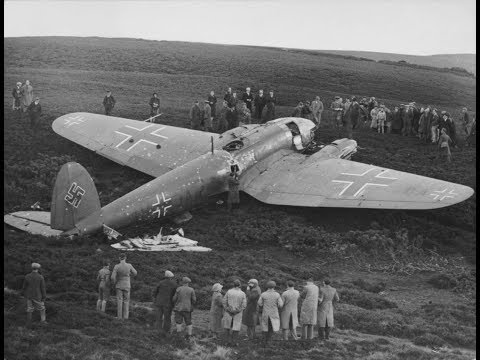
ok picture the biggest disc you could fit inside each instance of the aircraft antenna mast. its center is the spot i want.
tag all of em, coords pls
(211, 139)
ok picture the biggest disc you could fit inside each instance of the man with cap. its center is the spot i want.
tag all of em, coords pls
(289, 315)
(308, 312)
(216, 310)
(34, 292)
(327, 296)
(260, 102)
(34, 112)
(247, 98)
(250, 315)
(121, 279)
(184, 300)
(317, 109)
(234, 302)
(108, 102)
(154, 105)
(207, 117)
(17, 98)
(271, 102)
(269, 303)
(103, 278)
(163, 302)
(195, 116)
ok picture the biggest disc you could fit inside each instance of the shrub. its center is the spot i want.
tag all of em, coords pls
(442, 281)
(365, 300)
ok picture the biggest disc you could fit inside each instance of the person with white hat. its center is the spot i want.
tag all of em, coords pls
(184, 299)
(216, 310)
(34, 292)
(163, 302)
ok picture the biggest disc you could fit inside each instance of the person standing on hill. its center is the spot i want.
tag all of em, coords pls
(34, 112)
(196, 116)
(244, 116)
(34, 291)
(247, 98)
(260, 102)
(297, 111)
(108, 102)
(308, 312)
(472, 132)
(289, 315)
(250, 315)
(17, 98)
(216, 310)
(451, 130)
(327, 296)
(381, 118)
(184, 300)
(373, 116)
(163, 302)
(121, 279)
(233, 108)
(306, 111)
(234, 302)
(103, 278)
(27, 95)
(207, 117)
(222, 124)
(444, 145)
(271, 102)
(212, 101)
(372, 103)
(154, 105)
(434, 127)
(228, 95)
(269, 304)
(337, 108)
(396, 121)
(317, 109)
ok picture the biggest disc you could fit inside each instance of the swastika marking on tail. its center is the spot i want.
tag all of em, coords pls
(74, 195)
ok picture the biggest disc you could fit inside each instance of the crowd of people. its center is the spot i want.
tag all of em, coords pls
(229, 310)
(25, 103)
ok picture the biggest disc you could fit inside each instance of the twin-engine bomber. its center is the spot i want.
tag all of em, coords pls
(277, 163)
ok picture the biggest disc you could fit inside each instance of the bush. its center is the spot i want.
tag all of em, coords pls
(365, 300)
(442, 281)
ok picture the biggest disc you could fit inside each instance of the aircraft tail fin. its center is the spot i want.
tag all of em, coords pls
(74, 198)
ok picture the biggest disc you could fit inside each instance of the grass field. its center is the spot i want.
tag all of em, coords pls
(407, 279)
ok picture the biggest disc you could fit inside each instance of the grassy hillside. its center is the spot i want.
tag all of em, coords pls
(407, 279)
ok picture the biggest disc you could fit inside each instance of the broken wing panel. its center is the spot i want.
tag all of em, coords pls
(287, 179)
(153, 149)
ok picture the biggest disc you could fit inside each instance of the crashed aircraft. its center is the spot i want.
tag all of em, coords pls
(276, 162)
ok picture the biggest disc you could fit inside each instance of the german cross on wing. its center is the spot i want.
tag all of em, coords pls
(134, 136)
(354, 185)
(161, 205)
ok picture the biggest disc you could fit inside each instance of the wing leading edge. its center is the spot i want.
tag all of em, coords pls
(153, 149)
(289, 179)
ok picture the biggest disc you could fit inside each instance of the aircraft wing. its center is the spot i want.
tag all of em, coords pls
(289, 178)
(135, 143)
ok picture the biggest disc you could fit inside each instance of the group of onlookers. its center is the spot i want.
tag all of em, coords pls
(23, 102)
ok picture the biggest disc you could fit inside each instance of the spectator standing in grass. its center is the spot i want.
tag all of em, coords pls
(444, 145)
(317, 109)
(373, 117)
(250, 315)
(103, 278)
(34, 292)
(434, 127)
(396, 121)
(270, 302)
(337, 107)
(222, 124)
(308, 312)
(233, 108)
(297, 111)
(34, 112)
(234, 302)
(108, 103)
(247, 98)
(184, 300)
(121, 279)
(307, 111)
(372, 103)
(212, 101)
(289, 315)
(271, 102)
(260, 102)
(17, 98)
(381, 118)
(465, 120)
(472, 132)
(27, 95)
(216, 310)
(228, 95)
(327, 296)
(451, 130)
(207, 117)
(154, 105)
(196, 116)
(244, 116)
(163, 302)
(354, 115)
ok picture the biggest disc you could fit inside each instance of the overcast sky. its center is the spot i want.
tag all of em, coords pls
(418, 27)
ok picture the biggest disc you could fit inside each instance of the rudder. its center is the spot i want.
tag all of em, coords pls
(74, 198)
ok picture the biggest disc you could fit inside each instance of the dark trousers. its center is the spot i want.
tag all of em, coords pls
(34, 121)
(108, 110)
(164, 318)
(259, 111)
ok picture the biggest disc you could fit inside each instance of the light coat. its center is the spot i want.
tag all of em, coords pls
(270, 301)
(308, 313)
(290, 308)
(234, 302)
(328, 294)
(121, 275)
(27, 95)
(216, 312)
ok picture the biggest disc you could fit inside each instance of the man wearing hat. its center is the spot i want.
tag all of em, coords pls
(234, 302)
(121, 278)
(260, 102)
(269, 303)
(154, 105)
(308, 312)
(183, 300)
(289, 315)
(34, 111)
(17, 98)
(216, 310)
(108, 102)
(271, 102)
(163, 302)
(247, 98)
(195, 116)
(34, 292)
(250, 315)
(327, 296)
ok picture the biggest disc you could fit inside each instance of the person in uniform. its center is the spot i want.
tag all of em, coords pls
(196, 116)
(108, 102)
(250, 315)
(289, 315)
(260, 102)
(121, 279)
(103, 278)
(269, 303)
(308, 312)
(34, 112)
(234, 302)
(247, 98)
(271, 102)
(27, 95)
(317, 109)
(163, 302)
(216, 310)
(327, 296)
(184, 300)
(34, 291)
(154, 105)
